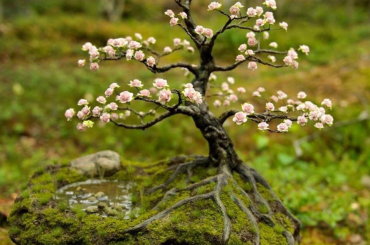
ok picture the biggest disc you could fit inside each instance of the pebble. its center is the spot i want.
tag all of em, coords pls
(102, 205)
(92, 209)
(91, 199)
(100, 194)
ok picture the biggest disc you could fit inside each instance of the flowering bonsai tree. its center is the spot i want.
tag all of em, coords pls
(192, 100)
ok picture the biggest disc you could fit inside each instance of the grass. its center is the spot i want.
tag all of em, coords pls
(39, 80)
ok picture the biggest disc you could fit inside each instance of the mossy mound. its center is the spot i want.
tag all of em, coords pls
(37, 218)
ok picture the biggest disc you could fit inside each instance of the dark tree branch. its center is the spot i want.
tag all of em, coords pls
(268, 51)
(256, 117)
(267, 63)
(231, 67)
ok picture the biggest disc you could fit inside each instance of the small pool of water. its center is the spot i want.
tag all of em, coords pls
(103, 197)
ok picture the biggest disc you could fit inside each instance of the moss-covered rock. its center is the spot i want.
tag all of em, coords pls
(38, 218)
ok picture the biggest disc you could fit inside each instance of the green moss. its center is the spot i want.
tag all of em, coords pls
(270, 236)
(263, 208)
(43, 198)
(265, 193)
(284, 221)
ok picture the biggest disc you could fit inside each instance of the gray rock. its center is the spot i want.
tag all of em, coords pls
(92, 209)
(110, 212)
(99, 194)
(107, 162)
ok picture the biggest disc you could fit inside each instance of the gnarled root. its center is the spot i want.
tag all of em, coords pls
(249, 200)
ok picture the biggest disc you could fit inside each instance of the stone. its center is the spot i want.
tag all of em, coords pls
(107, 162)
(102, 205)
(110, 212)
(91, 199)
(92, 209)
(99, 194)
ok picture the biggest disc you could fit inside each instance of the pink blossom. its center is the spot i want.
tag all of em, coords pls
(101, 100)
(266, 35)
(284, 109)
(139, 55)
(261, 89)
(327, 103)
(153, 90)
(114, 116)
(114, 85)
(217, 103)
(93, 52)
(85, 110)
(183, 15)
(302, 120)
(249, 52)
(167, 50)
(248, 108)
(292, 53)
(105, 117)
(233, 97)
(319, 125)
(230, 80)
(152, 40)
(242, 47)
(269, 18)
(134, 45)
(263, 126)
(125, 97)
(241, 90)
(208, 32)
(259, 10)
(260, 22)
(284, 25)
(96, 111)
(251, 12)
(240, 118)
(270, 3)
(193, 95)
(190, 49)
(238, 5)
(212, 77)
(110, 51)
(86, 46)
(234, 10)
(144, 93)
(290, 102)
(138, 36)
(169, 13)
(81, 115)
(82, 102)
(226, 103)
(252, 42)
(273, 45)
(186, 43)
(327, 119)
(270, 106)
(288, 60)
(188, 85)
(81, 127)
(160, 83)
(225, 86)
(295, 65)
(281, 95)
(251, 34)
(94, 66)
(288, 122)
(135, 83)
(81, 63)
(214, 5)
(199, 30)
(176, 42)
(150, 61)
(305, 49)
(129, 54)
(69, 113)
(314, 115)
(240, 57)
(113, 106)
(282, 127)
(164, 96)
(252, 65)
(301, 95)
(256, 94)
(310, 106)
(272, 58)
(275, 98)
(174, 21)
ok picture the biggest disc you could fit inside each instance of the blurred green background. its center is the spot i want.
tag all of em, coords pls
(323, 177)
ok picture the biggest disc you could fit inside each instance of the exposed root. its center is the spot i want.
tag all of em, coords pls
(223, 179)
(179, 169)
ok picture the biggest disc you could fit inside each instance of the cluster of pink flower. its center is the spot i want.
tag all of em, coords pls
(129, 47)
(107, 111)
(230, 96)
(307, 110)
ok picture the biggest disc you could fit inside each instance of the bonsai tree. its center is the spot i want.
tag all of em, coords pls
(192, 100)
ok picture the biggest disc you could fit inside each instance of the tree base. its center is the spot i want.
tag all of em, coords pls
(184, 200)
